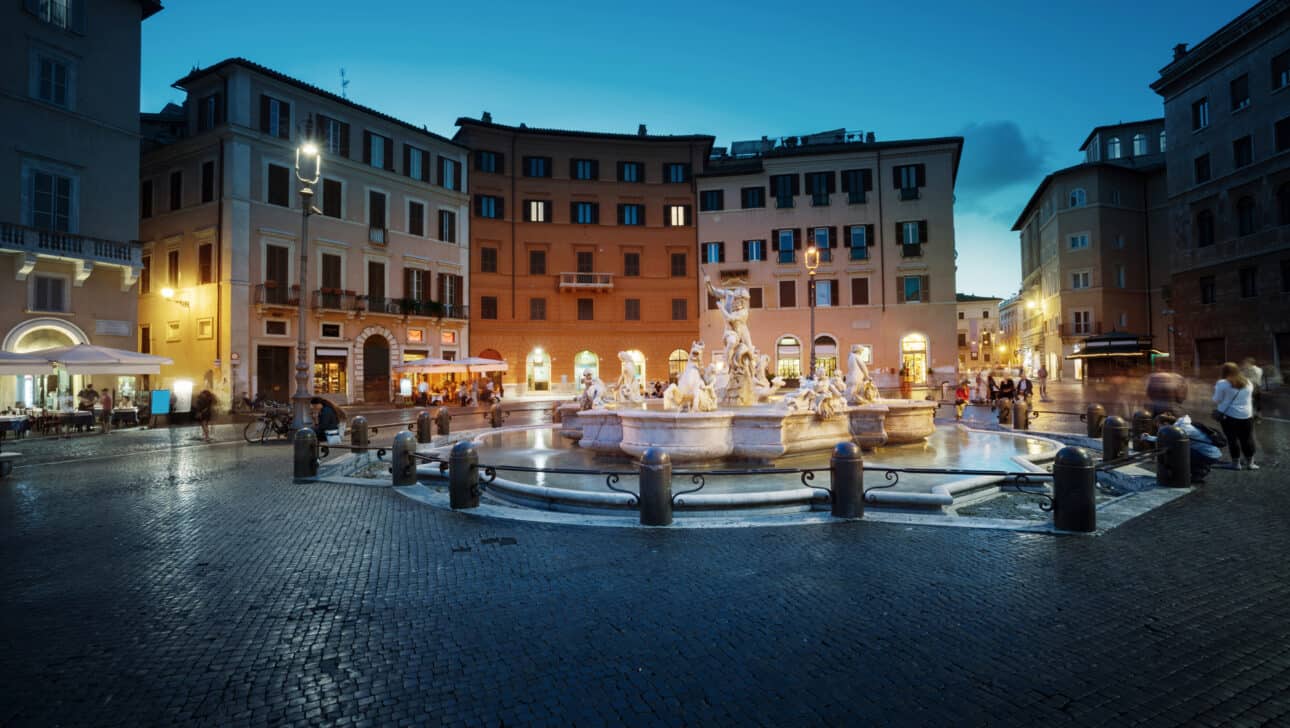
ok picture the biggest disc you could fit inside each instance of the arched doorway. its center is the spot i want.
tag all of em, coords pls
(788, 359)
(913, 358)
(40, 389)
(490, 354)
(826, 354)
(676, 363)
(376, 369)
(537, 371)
(585, 361)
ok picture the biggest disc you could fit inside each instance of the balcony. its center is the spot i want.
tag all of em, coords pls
(271, 293)
(786, 257)
(819, 199)
(783, 201)
(911, 250)
(1070, 329)
(379, 304)
(860, 252)
(909, 193)
(855, 198)
(586, 281)
(332, 299)
(85, 251)
(377, 235)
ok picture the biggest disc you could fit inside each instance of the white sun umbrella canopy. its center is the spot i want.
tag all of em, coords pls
(431, 365)
(19, 364)
(479, 365)
(90, 359)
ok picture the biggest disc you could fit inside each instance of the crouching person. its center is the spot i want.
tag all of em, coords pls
(1206, 443)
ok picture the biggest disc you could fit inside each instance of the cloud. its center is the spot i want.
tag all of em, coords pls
(996, 155)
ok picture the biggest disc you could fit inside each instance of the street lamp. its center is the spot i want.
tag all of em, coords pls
(305, 153)
(812, 262)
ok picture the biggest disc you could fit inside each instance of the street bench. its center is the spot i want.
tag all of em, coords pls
(7, 459)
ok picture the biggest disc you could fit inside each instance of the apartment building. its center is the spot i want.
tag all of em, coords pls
(1012, 311)
(1227, 111)
(582, 247)
(880, 215)
(68, 223)
(978, 329)
(221, 220)
(1089, 236)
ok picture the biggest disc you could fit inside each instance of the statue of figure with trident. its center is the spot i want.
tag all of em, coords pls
(741, 360)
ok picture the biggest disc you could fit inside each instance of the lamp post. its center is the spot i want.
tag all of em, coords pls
(812, 263)
(304, 154)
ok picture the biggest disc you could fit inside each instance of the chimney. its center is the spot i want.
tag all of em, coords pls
(640, 131)
(1180, 50)
(868, 137)
(487, 118)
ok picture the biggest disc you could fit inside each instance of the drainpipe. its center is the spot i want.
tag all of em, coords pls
(219, 266)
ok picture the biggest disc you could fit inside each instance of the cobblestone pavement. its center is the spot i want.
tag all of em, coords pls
(198, 585)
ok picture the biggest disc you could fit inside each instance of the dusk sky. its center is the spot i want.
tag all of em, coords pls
(1024, 82)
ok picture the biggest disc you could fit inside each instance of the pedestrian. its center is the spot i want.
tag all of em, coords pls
(1254, 373)
(203, 411)
(106, 401)
(961, 397)
(1007, 390)
(906, 383)
(1234, 410)
(992, 389)
(1043, 383)
(326, 418)
(1166, 392)
(1025, 389)
(980, 387)
(1204, 444)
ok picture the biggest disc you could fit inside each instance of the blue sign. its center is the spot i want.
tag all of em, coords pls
(161, 401)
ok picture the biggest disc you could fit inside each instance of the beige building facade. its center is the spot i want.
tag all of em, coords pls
(882, 216)
(68, 200)
(977, 328)
(221, 222)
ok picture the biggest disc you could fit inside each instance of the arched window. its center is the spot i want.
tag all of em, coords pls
(1139, 144)
(1245, 216)
(676, 363)
(1283, 203)
(1162, 141)
(826, 354)
(913, 358)
(1113, 148)
(788, 358)
(537, 371)
(1078, 197)
(585, 361)
(1204, 228)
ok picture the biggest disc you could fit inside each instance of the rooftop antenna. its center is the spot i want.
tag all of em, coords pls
(344, 85)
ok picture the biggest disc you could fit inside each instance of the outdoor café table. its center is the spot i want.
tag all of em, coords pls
(128, 416)
(79, 420)
(17, 424)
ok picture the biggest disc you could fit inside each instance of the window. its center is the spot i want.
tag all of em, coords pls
(1204, 228)
(1115, 197)
(205, 269)
(584, 213)
(826, 293)
(51, 201)
(631, 265)
(820, 185)
(908, 178)
(676, 172)
(489, 206)
(376, 216)
(488, 260)
(331, 271)
(275, 117)
(376, 281)
(1239, 89)
(1245, 216)
(1249, 282)
(416, 219)
(631, 214)
(378, 151)
(751, 197)
(1200, 114)
(676, 215)
(48, 293)
(631, 172)
(416, 163)
(962, 316)
(334, 135)
(754, 250)
(1139, 144)
(450, 174)
(486, 161)
(912, 234)
(1078, 197)
(537, 262)
(985, 314)
(1201, 168)
(679, 265)
(712, 200)
(1242, 151)
(537, 166)
(754, 297)
(52, 80)
(1120, 276)
(448, 226)
(1163, 145)
(537, 309)
(824, 239)
(586, 309)
(785, 188)
(208, 181)
(1283, 203)
(584, 169)
(1080, 279)
(275, 327)
(1113, 148)
(1082, 322)
(145, 276)
(176, 190)
(537, 211)
(856, 183)
(632, 310)
(859, 291)
(172, 268)
(56, 12)
(1281, 71)
(1079, 242)
(279, 186)
(679, 309)
(333, 201)
(1281, 134)
(788, 294)
(786, 244)
(210, 112)
(913, 289)
(962, 340)
(488, 307)
(145, 199)
(714, 252)
(1207, 292)
(145, 339)
(331, 331)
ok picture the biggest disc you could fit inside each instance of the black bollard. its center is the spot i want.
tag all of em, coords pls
(1173, 458)
(1094, 417)
(402, 463)
(442, 420)
(358, 431)
(555, 413)
(1005, 412)
(495, 415)
(656, 488)
(306, 453)
(1074, 482)
(1143, 424)
(1020, 415)
(1115, 438)
(463, 476)
(846, 471)
(423, 426)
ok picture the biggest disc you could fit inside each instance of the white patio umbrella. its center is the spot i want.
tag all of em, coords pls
(90, 359)
(479, 365)
(30, 363)
(431, 365)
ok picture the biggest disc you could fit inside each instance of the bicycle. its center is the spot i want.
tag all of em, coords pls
(276, 421)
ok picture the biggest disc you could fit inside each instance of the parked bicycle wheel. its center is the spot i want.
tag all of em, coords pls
(255, 430)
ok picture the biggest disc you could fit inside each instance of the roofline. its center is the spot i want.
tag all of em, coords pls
(970, 298)
(706, 139)
(852, 147)
(1256, 16)
(150, 8)
(1099, 129)
(284, 78)
(1039, 191)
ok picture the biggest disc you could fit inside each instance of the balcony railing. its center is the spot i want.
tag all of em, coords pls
(378, 304)
(855, 197)
(377, 235)
(860, 252)
(1091, 328)
(819, 199)
(911, 250)
(909, 193)
(270, 293)
(587, 281)
(70, 245)
(786, 256)
(334, 300)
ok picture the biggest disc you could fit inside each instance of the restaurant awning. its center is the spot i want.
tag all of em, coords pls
(30, 363)
(479, 365)
(90, 359)
(431, 365)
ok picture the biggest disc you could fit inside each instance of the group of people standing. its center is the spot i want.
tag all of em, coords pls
(996, 388)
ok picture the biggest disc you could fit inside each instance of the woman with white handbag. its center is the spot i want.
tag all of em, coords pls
(1234, 410)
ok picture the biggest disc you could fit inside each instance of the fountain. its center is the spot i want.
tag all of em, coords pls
(736, 413)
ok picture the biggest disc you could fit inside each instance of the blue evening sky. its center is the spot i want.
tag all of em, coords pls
(1024, 82)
